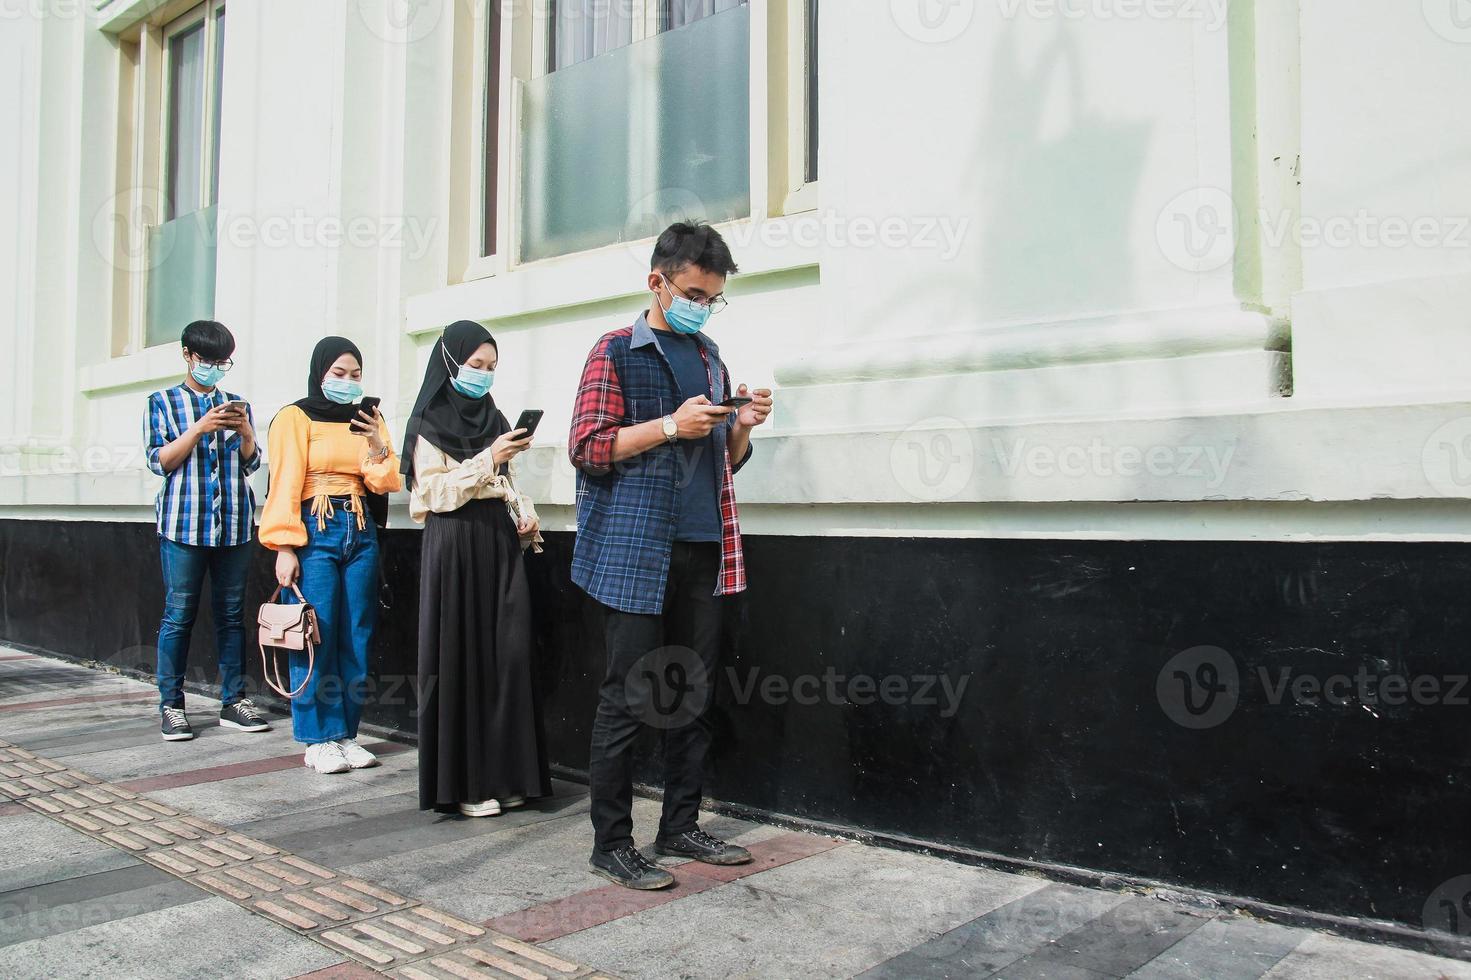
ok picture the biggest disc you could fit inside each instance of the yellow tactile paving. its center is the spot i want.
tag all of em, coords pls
(388, 932)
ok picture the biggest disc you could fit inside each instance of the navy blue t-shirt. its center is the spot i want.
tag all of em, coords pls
(699, 491)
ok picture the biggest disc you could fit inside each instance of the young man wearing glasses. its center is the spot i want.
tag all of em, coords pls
(658, 545)
(201, 440)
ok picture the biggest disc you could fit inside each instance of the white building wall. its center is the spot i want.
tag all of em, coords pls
(1019, 308)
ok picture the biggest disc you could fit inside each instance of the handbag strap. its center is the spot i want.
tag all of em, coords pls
(277, 594)
(271, 671)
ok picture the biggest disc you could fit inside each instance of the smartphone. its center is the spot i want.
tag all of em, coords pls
(367, 405)
(236, 405)
(736, 402)
(529, 420)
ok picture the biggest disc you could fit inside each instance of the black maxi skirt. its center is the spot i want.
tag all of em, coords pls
(480, 728)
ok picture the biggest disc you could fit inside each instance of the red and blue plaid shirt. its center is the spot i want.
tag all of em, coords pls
(627, 511)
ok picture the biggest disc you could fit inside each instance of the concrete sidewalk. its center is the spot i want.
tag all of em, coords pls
(127, 856)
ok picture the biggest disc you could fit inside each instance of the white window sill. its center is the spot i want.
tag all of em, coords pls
(143, 368)
(614, 272)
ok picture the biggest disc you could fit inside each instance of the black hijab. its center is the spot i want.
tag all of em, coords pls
(457, 426)
(317, 406)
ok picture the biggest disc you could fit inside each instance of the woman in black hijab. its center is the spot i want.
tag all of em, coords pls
(480, 734)
(332, 465)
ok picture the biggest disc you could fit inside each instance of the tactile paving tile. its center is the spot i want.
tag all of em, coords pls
(389, 932)
(55, 801)
(209, 854)
(18, 764)
(334, 904)
(165, 825)
(399, 938)
(498, 957)
(28, 784)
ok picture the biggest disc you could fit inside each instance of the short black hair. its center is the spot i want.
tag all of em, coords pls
(687, 243)
(210, 339)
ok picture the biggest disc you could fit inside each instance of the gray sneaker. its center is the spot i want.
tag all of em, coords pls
(175, 725)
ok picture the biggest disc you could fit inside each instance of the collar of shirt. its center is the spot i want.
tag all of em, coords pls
(644, 335)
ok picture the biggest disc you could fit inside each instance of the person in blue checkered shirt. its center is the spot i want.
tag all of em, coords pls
(201, 440)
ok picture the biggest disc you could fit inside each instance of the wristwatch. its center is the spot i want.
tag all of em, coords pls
(671, 429)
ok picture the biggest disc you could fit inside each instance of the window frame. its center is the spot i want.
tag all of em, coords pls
(778, 143)
(144, 132)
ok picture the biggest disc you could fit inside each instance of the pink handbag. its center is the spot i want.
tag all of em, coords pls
(287, 627)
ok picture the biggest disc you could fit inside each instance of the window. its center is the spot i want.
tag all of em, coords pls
(587, 123)
(162, 228)
(180, 282)
(642, 115)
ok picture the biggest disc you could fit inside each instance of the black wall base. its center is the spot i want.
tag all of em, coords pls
(1283, 722)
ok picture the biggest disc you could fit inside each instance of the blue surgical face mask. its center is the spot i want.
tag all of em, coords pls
(208, 375)
(684, 316)
(468, 381)
(342, 390)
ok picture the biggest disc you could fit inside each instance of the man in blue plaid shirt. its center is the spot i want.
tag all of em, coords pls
(201, 440)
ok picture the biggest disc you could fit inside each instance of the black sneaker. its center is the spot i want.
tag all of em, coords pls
(242, 715)
(701, 847)
(175, 726)
(629, 868)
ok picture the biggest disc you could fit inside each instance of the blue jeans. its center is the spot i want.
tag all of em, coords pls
(339, 577)
(184, 568)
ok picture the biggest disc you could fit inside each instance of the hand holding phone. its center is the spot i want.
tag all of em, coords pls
(529, 420)
(366, 421)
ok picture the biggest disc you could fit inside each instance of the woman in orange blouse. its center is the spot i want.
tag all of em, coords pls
(330, 464)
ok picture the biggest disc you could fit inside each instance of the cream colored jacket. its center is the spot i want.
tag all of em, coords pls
(442, 485)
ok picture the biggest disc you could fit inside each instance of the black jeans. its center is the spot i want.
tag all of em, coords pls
(661, 673)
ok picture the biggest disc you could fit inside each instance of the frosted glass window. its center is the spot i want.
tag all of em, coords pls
(584, 29)
(185, 175)
(616, 147)
(680, 13)
(181, 275)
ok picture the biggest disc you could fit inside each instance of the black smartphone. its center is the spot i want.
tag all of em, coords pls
(738, 401)
(367, 405)
(529, 420)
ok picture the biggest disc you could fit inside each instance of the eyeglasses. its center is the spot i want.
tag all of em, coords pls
(715, 303)
(224, 365)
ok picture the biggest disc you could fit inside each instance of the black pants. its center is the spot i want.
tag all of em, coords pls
(661, 673)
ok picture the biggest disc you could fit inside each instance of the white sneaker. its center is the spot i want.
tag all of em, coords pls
(490, 808)
(357, 756)
(326, 758)
(511, 802)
